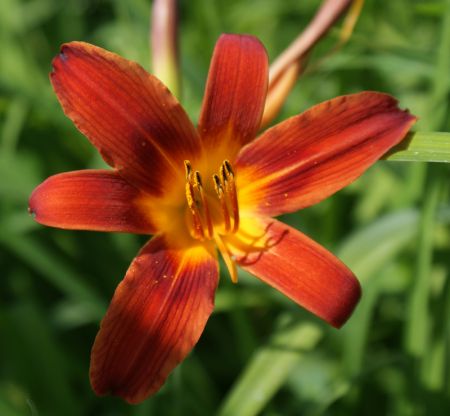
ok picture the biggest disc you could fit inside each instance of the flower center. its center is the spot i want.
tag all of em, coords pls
(213, 208)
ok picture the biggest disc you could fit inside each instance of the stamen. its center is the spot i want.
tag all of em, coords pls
(188, 169)
(223, 176)
(199, 204)
(223, 203)
(227, 165)
(229, 262)
(199, 186)
(192, 203)
(231, 188)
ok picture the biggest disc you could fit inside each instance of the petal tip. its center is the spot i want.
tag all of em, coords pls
(63, 55)
(101, 389)
(348, 305)
(65, 52)
(232, 37)
(32, 212)
(33, 203)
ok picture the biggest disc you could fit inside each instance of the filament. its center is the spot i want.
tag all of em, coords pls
(227, 258)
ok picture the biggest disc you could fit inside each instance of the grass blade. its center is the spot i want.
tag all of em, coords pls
(269, 369)
(422, 147)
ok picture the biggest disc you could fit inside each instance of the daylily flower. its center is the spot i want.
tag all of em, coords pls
(200, 191)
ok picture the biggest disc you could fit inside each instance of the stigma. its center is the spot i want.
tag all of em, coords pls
(213, 207)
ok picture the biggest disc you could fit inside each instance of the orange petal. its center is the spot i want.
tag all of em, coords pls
(130, 116)
(308, 157)
(298, 267)
(235, 92)
(157, 315)
(97, 200)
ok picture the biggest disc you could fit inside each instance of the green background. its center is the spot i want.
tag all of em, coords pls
(260, 353)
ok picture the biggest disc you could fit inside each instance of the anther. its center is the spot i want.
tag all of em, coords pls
(223, 176)
(204, 201)
(188, 169)
(198, 179)
(227, 165)
(200, 206)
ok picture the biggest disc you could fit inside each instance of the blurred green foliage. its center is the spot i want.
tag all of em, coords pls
(260, 353)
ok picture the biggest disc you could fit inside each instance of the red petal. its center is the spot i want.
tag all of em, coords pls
(98, 200)
(130, 116)
(298, 267)
(235, 92)
(310, 156)
(156, 317)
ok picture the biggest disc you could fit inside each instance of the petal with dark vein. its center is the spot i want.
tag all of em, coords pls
(129, 115)
(157, 315)
(235, 92)
(298, 267)
(97, 200)
(308, 157)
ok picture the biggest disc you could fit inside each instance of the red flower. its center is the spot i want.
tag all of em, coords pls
(198, 190)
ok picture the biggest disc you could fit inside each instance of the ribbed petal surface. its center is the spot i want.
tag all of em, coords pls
(235, 93)
(298, 267)
(97, 200)
(308, 157)
(129, 115)
(156, 316)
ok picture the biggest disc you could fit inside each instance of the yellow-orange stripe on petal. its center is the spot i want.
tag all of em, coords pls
(235, 93)
(98, 200)
(298, 267)
(129, 115)
(157, 315)
(308, 157)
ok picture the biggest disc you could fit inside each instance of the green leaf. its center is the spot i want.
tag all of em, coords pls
(55, 271)
(366, 252)
(269, 369)
(37, 363)
(372, 247)
(422, 147)
(417, 324)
